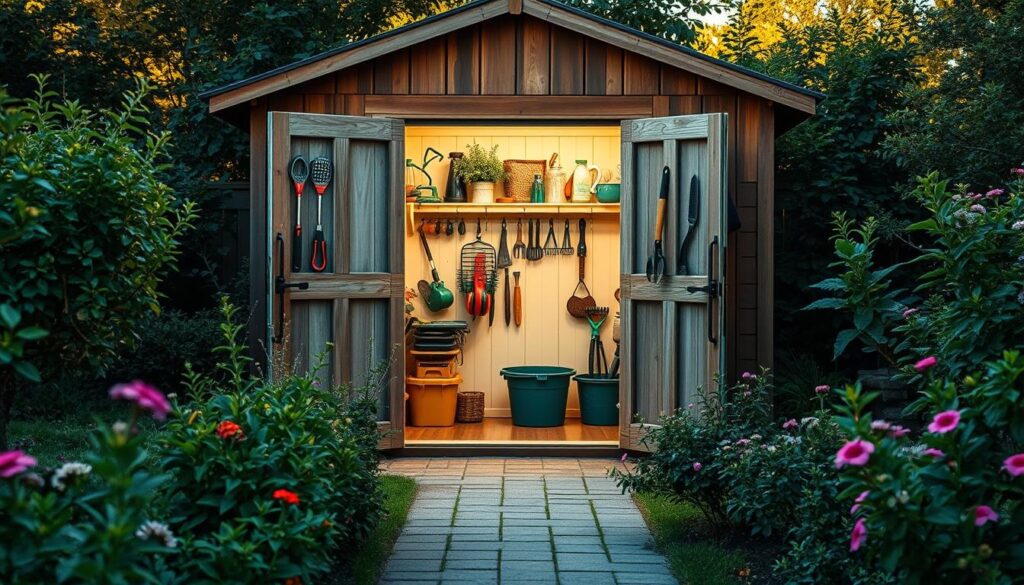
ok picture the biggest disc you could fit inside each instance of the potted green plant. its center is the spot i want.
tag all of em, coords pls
(480, 169)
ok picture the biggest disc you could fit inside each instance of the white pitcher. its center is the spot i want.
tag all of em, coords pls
(584, 181)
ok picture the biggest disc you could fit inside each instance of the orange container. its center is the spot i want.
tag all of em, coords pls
(432, 401)
(436, 368)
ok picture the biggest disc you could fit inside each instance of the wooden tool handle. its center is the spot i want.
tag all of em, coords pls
(583, 267)
(659, 222)
(517, 303)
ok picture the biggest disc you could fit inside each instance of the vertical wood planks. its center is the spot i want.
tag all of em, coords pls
(428, 67)
(567, 70)
(391, 74)
(498, 57)
(464, 62)
(534, 58)
(640, 75)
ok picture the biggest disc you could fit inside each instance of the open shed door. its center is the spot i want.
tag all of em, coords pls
(356, 301)
(671, 342)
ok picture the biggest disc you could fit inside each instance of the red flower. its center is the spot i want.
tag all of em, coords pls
(293, 581)
(228, 429)
(287, 497)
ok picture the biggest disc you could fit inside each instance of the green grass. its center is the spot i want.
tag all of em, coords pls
(680, 533)
(368, 562)
(52, 442)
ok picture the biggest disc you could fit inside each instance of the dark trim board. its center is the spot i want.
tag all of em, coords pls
(469, 449)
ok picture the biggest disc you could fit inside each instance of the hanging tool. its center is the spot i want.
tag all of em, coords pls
(449, 228)
(519, 250)
(281, 285)
(692, 213)
(517, 302)
(504, 261)
(577, 305)
(566, 241)
(299, 172)
(437, 297)
(321, 170)
(656, 263)
(551, 243)
(533, 251)
(478, 301)
(462, 227)
(597, 361)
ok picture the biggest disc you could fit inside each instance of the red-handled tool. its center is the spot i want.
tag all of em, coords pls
(321, 170)
(299, 172)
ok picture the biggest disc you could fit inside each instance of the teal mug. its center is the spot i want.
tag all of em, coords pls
(608, 192)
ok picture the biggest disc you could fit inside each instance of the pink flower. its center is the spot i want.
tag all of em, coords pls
(880, 425)
(897, 431)
(1014, 464)
(790, 424)
(908, 312)
(743, 442)
(977, 208)
(944, 422)
(859, 535)
(697, 466)
(859, 500)
(822, 389)
(747, 376)
(624, 456)
(146, 396)
(933, 452)
(14, 462)
(984, 514)
(1017, 171)
(926, 363)
(995, 193)
(855, 453)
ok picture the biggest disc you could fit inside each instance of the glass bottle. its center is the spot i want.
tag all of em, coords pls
(537, 190)
(554, 187)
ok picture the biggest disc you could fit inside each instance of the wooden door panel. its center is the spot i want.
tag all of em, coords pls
(672, 340)
(354, 309)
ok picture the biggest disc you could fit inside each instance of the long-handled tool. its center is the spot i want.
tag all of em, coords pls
(504, 261)
(321, 170)
(577, 304)
(566, 248)
(656, 263)
(299, 172)
(435, 295)
(597, 361)
(691, 221)
(519, 250)
(517, 302)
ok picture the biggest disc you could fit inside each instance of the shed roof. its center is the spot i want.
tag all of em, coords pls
(614, 33)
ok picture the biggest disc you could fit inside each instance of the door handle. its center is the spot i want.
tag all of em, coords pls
(713, 289)
(280, 286)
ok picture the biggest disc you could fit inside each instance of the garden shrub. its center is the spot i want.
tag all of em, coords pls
(268, 480)
(87, 522)
(87, 230)
(947, 507)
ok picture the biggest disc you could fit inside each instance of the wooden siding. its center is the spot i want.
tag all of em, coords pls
(485, 67)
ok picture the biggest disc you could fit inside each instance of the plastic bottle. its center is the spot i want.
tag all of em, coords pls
(537, 190)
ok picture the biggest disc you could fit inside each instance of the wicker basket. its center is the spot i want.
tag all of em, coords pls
(519, 177)
(470, 408)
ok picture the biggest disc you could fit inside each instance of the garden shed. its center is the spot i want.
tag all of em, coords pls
(535, 79)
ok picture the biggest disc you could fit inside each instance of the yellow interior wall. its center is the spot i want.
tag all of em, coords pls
(549, 335)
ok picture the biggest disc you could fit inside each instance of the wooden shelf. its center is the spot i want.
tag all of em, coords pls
(414, 211)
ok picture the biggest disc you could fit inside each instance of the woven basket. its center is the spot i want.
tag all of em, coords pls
(519, 177)
(470, 407)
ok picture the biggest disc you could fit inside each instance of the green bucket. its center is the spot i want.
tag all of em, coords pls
(537, 394)
(599, 398)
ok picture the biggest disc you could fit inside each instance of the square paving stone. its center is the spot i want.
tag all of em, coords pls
(512, 566)
(585, 578)
(461, 564)
(491, 554)
(644, 579)
(412, 576)
(400, 565)
(583, 562)
(526, 555)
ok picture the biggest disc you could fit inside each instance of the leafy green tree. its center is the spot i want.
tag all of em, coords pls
(968, 121)
(675, 20)
(87, 231)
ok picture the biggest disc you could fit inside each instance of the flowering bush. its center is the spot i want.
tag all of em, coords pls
(267, 480)
(947, 507)
(85, 522)
(971, 281)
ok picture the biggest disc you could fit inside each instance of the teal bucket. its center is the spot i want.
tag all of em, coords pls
(538, 394)
(599, 397)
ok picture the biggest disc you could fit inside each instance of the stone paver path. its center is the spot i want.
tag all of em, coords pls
(543, 521)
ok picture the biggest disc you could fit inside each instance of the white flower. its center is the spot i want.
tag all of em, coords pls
(771, 448)
(120, 427)
(69, 471)
(154, 530)
(755, 437)
(809, 421)
(1018, 225)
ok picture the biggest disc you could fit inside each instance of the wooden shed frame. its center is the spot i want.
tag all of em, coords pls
(534, 61)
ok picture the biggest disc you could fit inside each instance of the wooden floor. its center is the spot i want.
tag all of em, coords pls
(501, 430)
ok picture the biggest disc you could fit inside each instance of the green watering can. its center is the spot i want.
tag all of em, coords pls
(435, 294)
